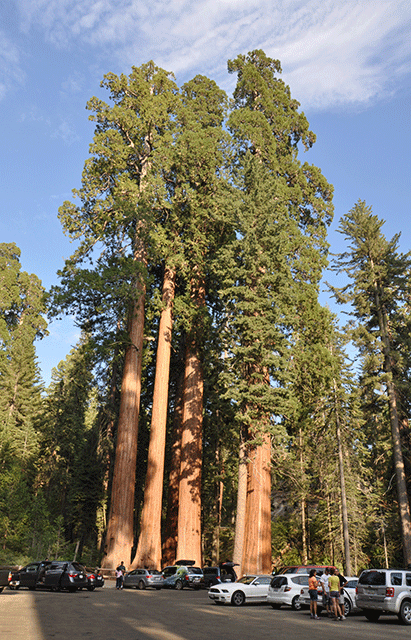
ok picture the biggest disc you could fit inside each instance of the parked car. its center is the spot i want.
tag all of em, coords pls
(54, 575)
(382, 591)
(179, 576)
(216, 575)
(94, 580)
(143, 578)
(302, 568)
(286, 589)
(250, 588)
(348, 591)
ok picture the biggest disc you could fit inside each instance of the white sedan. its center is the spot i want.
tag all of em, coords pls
(252, 588)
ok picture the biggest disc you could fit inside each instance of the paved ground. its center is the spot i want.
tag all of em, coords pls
(108, 614)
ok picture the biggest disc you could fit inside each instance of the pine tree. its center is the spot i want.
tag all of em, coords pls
(378, 289)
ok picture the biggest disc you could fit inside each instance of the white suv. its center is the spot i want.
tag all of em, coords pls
(385, 591)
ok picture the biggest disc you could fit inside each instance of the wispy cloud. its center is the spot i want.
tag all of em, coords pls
(332, 51)
(11, 73)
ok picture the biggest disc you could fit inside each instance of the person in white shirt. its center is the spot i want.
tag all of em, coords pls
(326, 590)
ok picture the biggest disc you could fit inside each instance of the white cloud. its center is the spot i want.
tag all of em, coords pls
(11, 73)
(332, 51)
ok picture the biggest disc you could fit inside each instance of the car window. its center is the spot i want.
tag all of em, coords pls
(169, 571)
(132, 573)
(210, 571)
(408, 579)
(195, 570)
(396, 579)
(246, 579)
(351, 584)
(263, 580)
(300, 580)
(155, 572)
(278, 581)
(376, 578)
(32, 568)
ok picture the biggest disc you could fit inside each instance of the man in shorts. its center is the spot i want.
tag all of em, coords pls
(326, 591)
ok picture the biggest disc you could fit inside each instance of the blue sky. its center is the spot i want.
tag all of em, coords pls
(348, 62)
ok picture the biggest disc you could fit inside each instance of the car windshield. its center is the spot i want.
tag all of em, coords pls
(196, 570)
(376, 578)
(246, 579)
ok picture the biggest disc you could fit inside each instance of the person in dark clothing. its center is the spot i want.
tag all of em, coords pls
(120, 571)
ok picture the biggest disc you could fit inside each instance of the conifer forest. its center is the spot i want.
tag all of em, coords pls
(213, 409)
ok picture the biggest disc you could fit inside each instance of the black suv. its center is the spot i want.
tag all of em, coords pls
(216, 575)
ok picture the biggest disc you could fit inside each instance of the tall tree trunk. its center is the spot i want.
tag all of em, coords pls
(403, 500)
(241, 509)
(149, 544)
(344, 510)
(303, 499)
(120, 534)
(257, 540)
(171, 528)
(189, 511)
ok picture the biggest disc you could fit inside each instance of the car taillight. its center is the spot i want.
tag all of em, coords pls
(302, 591)
(287, 588)
(389, 592)
(149, 577)
(9, 577)
(186, 577)
(73, 575)
(91, 576)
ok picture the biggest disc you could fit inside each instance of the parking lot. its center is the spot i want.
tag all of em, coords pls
(108, 614)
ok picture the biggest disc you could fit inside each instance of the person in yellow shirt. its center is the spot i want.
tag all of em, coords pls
(335, 588)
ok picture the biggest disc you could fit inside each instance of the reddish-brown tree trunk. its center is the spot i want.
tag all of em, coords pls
(241, 510)
(171, 529)
(120, 534)
(148, 552)
(257, 539)
(189, 511)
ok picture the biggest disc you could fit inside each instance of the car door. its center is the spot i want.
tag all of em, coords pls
(28, 575)
(259, 589)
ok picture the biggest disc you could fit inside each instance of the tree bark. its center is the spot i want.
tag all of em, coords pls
(189, 511)
(149, 544)
(120, 534)
(344, 509)
(171, 530)
(257, 541)
(241, 509)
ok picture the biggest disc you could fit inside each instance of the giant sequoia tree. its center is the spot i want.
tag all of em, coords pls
(275, 261)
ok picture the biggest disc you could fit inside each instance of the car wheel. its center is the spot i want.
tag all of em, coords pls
(178, 585)
(405, 612)
(238, 598)
(72, 589)
(158, 588)
(90, 588)
(371, 615)
(141, 585)
(296, 604)
(275, 605)
(32, 588)
(347, 607)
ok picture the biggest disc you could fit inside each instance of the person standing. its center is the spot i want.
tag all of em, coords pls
(335, 589)
(120, 571)
(326, 590)
(342, 580)
(312, 590)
